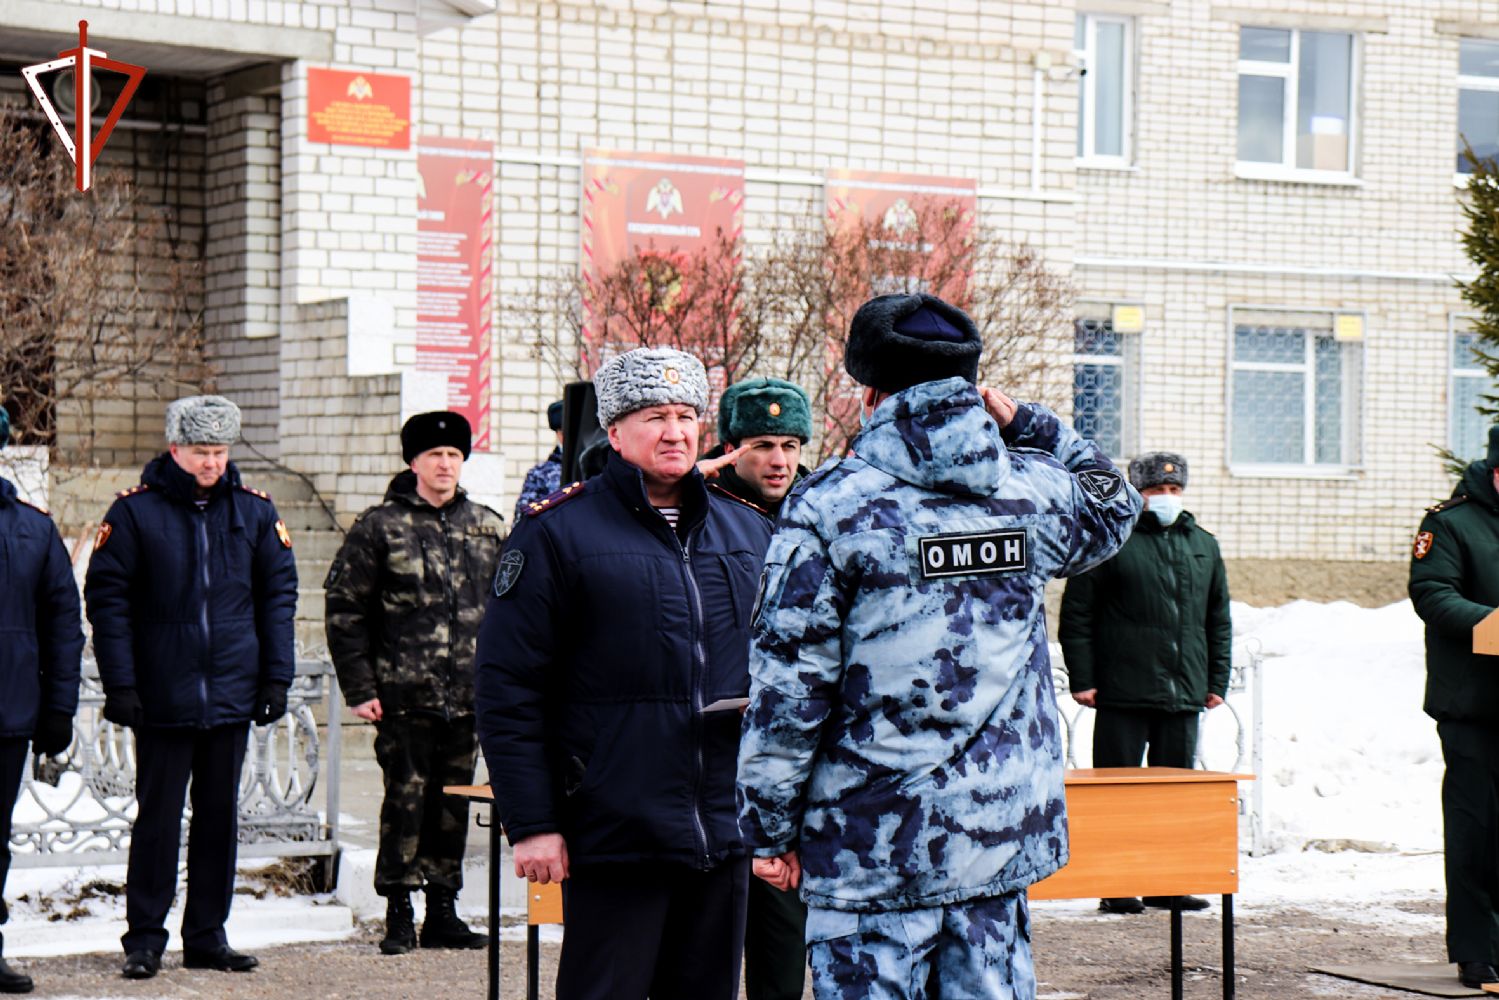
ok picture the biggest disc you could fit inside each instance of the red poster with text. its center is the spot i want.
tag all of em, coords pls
(455, 272)
(358, 109)
(666, 205)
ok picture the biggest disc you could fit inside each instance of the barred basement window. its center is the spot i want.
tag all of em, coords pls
(1295, 391)
(1103, 384)
(1467, 429)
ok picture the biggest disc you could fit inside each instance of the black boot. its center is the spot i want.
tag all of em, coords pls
(1474, 974)
(1121, 904)
(442, 928)
(1166, 902)
(400, 925)
(12, 981)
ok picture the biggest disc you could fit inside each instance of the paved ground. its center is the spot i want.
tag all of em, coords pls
(1099, 958)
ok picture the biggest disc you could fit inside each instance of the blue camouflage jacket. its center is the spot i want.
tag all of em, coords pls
(902, 732)
(542, 480)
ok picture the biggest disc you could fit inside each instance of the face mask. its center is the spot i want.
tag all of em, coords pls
(1166, 507)
(864, 415)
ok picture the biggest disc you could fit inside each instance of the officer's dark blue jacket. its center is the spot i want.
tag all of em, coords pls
(41, 638)
(192, 608)
(608, 636)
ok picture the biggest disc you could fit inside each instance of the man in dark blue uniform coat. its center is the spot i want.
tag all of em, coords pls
(620, 612)
(39, 658)
(191, 590)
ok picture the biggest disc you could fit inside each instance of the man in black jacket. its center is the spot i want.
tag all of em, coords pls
(39, 658)
(1454, 585)
(1147, 638)
(405, 597)
(192, 591)
(620, 612)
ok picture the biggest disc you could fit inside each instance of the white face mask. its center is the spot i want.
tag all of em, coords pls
(1166, 507)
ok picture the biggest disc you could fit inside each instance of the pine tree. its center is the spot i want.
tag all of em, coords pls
(1481, 244)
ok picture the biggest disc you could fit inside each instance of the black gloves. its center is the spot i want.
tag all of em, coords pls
(122, 706)
(54, 731)
(270, 704)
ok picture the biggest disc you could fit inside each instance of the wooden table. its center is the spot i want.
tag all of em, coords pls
(1133, 831)
(1153, 831)
(543, 902)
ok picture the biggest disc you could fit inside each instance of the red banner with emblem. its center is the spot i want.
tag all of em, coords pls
(905, 233)
(358, 109)
(455, 273)
(663, 230)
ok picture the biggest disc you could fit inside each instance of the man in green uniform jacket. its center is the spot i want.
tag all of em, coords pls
(1454, 585)
(1147, 638)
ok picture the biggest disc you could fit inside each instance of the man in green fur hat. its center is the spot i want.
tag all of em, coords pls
(764, 422)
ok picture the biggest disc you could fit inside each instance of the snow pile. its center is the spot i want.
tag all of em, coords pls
(1350, 760)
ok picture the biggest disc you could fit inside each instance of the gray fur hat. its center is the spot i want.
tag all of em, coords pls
(649, 376)
(1158, 468)
(202, 420)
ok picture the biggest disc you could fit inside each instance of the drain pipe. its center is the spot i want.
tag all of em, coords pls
(1039, 65)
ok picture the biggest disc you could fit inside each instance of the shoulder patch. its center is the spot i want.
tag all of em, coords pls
(548, 502)
(1448, 504)
(28, 503)
(255, 493)
(1422, 544)
(137, 488)
(720, 491)
(1102, 485)
(509, 570)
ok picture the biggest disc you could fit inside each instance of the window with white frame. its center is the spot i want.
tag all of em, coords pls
(1103, 46)
(1295, 390)
(1295, 100)
(1477, 98)
(1467, 434)
(1104, 398)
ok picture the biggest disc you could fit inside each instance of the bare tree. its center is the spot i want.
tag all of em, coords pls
(97, 303)
(783, 309)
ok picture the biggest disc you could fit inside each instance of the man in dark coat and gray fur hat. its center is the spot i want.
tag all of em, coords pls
(192, 591)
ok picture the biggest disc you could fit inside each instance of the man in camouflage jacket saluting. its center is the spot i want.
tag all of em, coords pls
(405, 597)
(901, 753)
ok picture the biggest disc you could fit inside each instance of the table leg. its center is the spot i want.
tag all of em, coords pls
(1228, 947)
(1176, 950)
(533, 960)
(495, 842)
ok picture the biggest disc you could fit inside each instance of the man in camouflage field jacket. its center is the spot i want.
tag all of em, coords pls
(405, 597)
(901, 753)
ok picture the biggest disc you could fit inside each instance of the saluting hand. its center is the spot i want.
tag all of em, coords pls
(711, 467)
(1001, 407)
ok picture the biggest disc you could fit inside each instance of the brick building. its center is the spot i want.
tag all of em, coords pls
(1256, 202)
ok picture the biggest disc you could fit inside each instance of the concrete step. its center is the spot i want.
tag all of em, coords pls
(313, 545)
(302, 516)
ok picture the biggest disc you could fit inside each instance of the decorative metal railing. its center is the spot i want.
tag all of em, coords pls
(77, 808)
(1244, 704)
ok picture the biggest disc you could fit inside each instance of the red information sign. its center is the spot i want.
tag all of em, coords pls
(897, 201)
(358, 109)
(455, 272)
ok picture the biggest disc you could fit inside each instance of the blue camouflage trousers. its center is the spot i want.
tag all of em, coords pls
(980, 948)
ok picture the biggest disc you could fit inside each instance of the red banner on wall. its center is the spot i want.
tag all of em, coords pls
(455, 272)
(897, 202)
(676, 209)
(358, 109)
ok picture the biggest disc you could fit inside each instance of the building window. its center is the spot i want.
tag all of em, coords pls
(1104, 49)
(1103, 384)
(1295, 390)
(1468, 429)
(1477, 99)
(1295, 101)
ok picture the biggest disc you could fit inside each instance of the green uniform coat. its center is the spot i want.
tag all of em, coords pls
(1454, 584)
(1150, 628)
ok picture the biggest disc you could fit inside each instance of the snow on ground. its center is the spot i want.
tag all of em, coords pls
(1351, 787)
